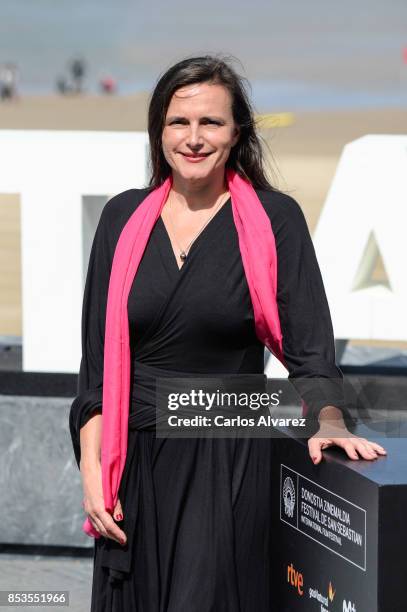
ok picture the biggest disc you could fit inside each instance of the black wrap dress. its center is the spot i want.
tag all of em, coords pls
(196, 510)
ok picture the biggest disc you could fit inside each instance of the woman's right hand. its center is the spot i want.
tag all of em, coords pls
(93, 503)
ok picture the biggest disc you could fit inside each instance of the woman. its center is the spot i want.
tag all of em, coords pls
(184, 534)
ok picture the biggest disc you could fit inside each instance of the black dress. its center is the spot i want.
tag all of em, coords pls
(196, 510)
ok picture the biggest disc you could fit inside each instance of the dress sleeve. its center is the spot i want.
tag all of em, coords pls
(308, 338)
(90, 380)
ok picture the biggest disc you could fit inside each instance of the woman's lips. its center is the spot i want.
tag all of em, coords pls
(195, 158)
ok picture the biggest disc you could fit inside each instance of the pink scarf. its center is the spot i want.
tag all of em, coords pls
(259, 257)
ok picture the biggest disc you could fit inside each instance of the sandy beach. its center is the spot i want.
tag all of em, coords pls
(304, 158)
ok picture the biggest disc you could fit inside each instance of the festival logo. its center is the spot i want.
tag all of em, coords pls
(332, 521)
(289, 496)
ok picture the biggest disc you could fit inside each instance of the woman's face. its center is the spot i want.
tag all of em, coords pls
(199, 131)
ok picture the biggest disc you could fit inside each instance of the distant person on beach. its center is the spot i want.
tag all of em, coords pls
(78, 69)
(62, 85)
(108, 85)
(8, 81)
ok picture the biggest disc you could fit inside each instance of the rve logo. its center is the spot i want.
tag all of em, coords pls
(348, 606)
(295, 578)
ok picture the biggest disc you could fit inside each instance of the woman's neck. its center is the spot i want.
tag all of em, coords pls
(197, 196)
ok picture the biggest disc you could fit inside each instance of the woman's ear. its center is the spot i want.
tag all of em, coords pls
(236, 135)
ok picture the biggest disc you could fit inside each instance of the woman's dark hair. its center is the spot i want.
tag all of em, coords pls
(246, 157)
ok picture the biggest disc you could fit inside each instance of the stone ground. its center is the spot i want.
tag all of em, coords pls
(42, 573)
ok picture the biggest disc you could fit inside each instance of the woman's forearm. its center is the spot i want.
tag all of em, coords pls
(90, 440)
(331, 414)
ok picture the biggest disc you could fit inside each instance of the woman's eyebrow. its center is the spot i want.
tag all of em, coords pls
(179, 118)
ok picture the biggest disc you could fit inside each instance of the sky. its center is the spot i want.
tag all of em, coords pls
(351, 46)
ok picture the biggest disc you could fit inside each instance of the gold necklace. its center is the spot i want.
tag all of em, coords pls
(183, 252)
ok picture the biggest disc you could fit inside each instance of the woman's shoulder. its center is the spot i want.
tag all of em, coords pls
(278, 203)
(115, 214)
(122, 205)
(283, 210)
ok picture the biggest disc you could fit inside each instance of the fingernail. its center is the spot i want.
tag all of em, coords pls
(119, 517)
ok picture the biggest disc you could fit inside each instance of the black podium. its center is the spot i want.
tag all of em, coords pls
(340, 529)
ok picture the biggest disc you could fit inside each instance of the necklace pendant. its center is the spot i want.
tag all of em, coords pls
(183, 255)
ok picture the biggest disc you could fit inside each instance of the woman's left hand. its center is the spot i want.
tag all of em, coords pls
(335, 433)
